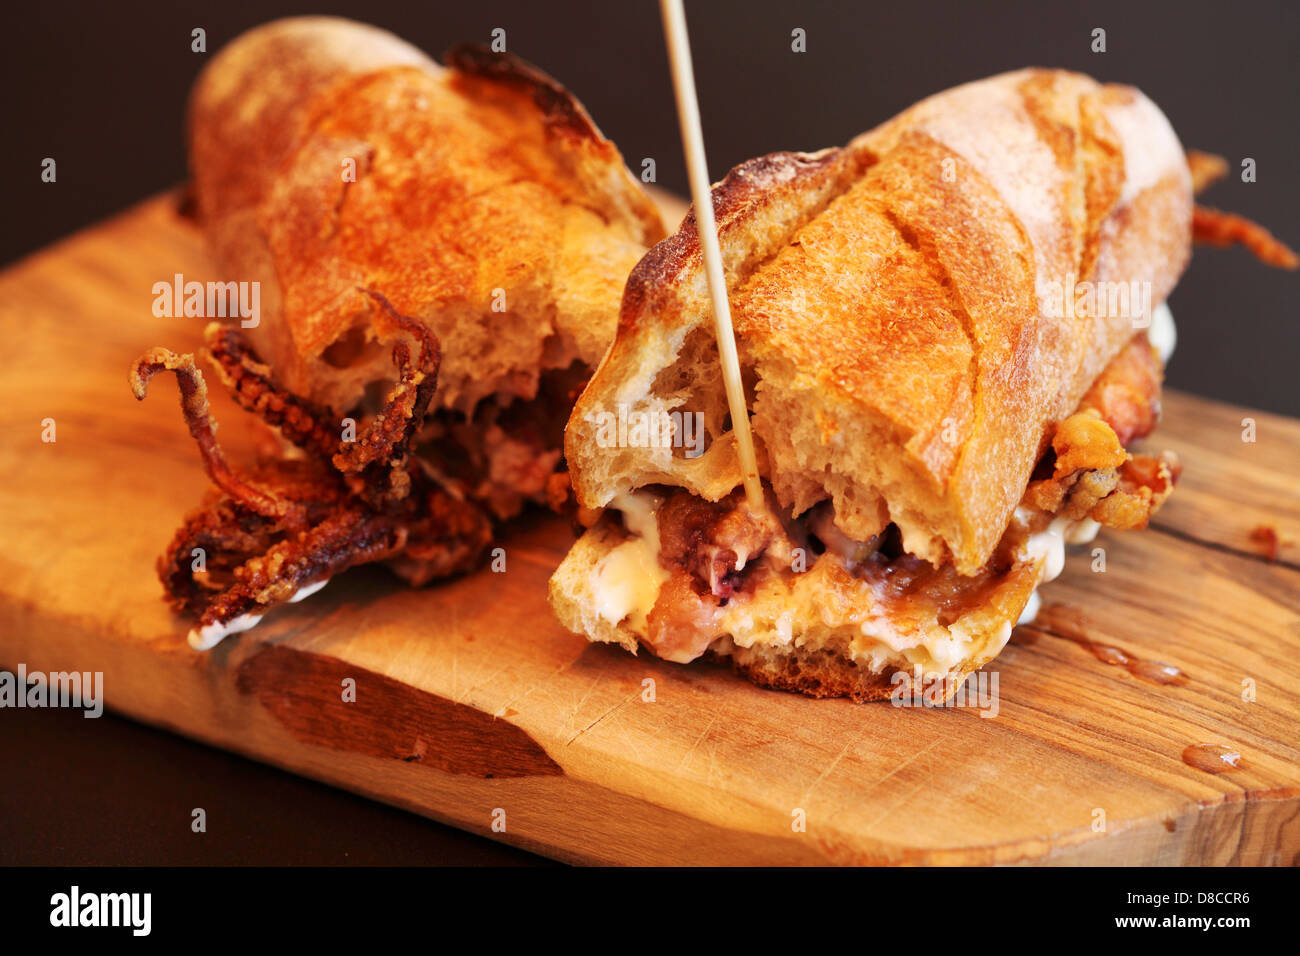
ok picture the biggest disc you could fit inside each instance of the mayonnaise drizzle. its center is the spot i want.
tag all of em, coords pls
(1162, 333)
(210, 635)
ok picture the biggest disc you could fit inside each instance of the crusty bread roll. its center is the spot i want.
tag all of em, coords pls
(887, 300)
(910, 360)
(485, 203)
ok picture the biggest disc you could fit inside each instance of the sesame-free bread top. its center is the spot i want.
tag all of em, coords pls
(898, 309)
(330, 157)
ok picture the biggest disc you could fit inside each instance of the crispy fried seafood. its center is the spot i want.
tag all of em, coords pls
(1224, 228)
(283, 531)
(1217, 228)
(1087, 473)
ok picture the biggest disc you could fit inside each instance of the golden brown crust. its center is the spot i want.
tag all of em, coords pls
(897, 306)
(747, 192)
(565, 118)
(819, 674)
(823, 674)
(782, 191)
(250, 104)
(561, 108)
(481, 199)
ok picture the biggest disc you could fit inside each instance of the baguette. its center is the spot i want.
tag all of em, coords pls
(486, 204)
(440, 253)
(933, 422)
(892, 321)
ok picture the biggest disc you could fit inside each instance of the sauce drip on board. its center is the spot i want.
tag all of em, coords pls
(1213, 758)
(1066, 620)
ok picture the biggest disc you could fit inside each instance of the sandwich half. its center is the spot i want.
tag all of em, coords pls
(950, 331)
(331, 159)
(440, 252)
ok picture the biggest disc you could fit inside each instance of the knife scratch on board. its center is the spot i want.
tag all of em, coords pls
(803, 800)
(698, 740)
(618, 706)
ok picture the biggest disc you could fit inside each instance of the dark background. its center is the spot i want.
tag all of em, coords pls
(101, 87)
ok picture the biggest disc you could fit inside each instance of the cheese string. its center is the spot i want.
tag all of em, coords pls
(688, 113)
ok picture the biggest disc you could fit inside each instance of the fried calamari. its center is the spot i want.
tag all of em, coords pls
(350, 498)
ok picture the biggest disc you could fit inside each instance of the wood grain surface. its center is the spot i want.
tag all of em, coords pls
(472, 704)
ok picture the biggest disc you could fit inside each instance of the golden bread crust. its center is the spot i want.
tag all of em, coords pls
(895, 308)
(481, 199)
(665, 290)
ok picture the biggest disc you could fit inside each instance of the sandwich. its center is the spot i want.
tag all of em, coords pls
(950, 333)
(439, 252)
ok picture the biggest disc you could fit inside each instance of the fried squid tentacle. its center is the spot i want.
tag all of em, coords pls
(376, 464)
(1224, 228)
(1206, 169)
(380, 457)
(194, 405)
(447, 535)
(349, 537)
(277, 536)
(249, 381)
(225, 535)
(437, 536)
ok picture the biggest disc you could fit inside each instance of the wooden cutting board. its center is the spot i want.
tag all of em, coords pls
(473, 705)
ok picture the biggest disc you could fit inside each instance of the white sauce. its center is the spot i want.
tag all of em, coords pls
(308, 590)
(1082, 532)
(205, 638)
(822, 524)
(1031, 609)
(1162, 334)
(209, 636)
(1049, 547)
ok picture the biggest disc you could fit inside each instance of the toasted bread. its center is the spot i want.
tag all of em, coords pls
(331, 157)
(892, 302)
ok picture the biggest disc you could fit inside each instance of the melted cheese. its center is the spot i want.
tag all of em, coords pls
(1031, 609)
(625, 583)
